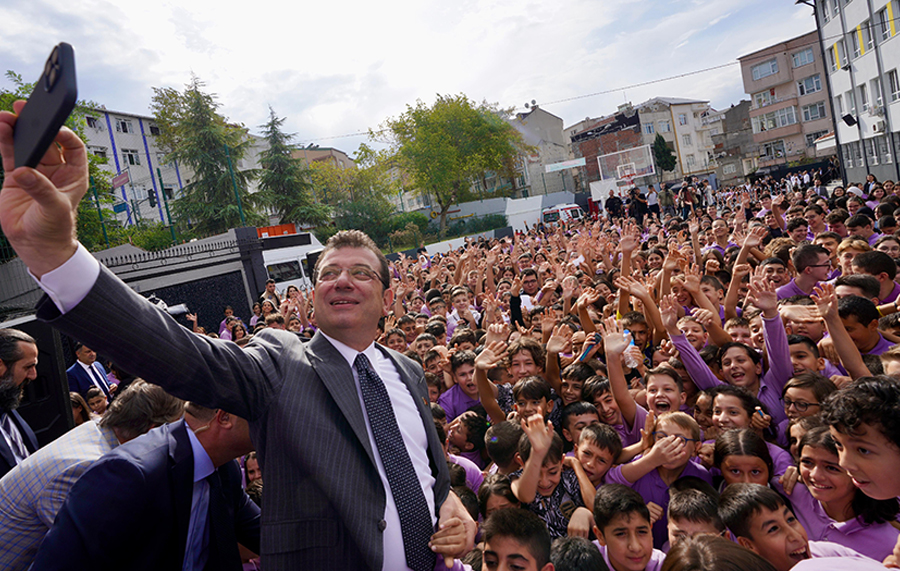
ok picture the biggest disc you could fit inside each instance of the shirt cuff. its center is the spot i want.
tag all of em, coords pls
(70, 283)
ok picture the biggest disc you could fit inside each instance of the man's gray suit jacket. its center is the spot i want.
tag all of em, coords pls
(324, 502)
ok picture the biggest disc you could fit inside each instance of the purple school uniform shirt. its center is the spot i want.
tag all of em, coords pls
(828, 549)
(771, 384)
(455, 402)
(892, 297)
(474, 477)
(789, 289)
(876, 540)
(838, 564)
(657, 558)
(632, 434)
(653, 489)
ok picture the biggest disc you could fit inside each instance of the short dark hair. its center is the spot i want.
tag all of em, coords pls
(695, 506)
(740, 502)
(461, 358)
(533, 388)
(604, 437)
(139, 407)
(578, 371)
(868, 400)
(495, 485)
(554, 454)
(594, 388)
(804, 340)
(576, 554)
(577, 408)
(501, 441)
(861, 308)
(710, 552)
(820, 385)
(476, 427)
(522, 526)
(742, 442)
(10, 351)
(858, 221)
(867, 283)
(807, 255)
(615, 499)
(875, 263)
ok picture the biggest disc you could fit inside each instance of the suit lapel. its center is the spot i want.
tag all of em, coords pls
(181, 480)
(28, 436)
(336, 375)
(6, 453)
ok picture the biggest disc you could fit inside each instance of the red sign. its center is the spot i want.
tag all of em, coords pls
(121, 179)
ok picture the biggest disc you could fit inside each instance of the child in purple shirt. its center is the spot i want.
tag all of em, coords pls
(464, 393)
(622, 527)
(676, 440)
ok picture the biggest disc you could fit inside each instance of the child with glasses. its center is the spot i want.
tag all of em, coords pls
(675, 440)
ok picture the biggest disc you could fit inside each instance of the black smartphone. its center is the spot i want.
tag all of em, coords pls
(50, 104)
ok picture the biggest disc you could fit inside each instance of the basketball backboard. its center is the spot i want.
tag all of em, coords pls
(625, 166)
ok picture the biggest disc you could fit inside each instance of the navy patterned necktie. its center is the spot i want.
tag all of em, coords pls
(415, 519)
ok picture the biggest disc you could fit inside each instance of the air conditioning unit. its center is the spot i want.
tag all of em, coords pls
(878, 127)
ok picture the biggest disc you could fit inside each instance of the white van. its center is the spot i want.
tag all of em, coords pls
(288, 265)
(561, 212)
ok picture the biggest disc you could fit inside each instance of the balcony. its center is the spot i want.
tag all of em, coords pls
(773, 104)
(777, 133)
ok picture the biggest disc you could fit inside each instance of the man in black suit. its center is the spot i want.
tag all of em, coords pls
(170, 499)
(18, 366)
(86, 372)
(350, 484)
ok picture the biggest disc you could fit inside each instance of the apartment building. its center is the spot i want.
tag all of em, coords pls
(863, 58)
(788, 99)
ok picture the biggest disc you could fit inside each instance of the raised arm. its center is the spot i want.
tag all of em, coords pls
(493, 353)
(615, 342)
(693, 362)
(827, 304)
(541, 437)
(762, 294)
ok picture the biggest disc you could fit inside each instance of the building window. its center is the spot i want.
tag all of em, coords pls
(686, 140)
(811, 138)
(823, 9)
(832, 58)
(99, 152)
(124, 126)
(841, 50)
(894, 82)
(131, 157)
(93, 122)
(772, 150)
(884, 24)
(814, 111)
(851, 101)
(811, 84)
(154, 130)
(764, 69)
(835, 8)
(867, 35)
(774, 120)
(689, 162)
(648, 128)
(876, 92)
(665, 127)
(854, 41)
(682, 119)
(871, 151)
(729, 169)
(169, 192)
(863, 97)
(764, 98)
(839, 104)
(803, 58)
(884, 149)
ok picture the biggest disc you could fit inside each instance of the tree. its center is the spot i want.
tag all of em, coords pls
(662, 154)
(447, 146)
(284, 182)
(195, 134)
(90, 231)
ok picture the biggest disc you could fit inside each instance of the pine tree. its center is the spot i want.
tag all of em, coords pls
(284, 183)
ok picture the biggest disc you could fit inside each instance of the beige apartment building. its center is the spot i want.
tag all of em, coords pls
(788, 99)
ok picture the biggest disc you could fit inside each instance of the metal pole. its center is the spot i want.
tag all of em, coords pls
(99, 211)
(237, 195)
(166, 203)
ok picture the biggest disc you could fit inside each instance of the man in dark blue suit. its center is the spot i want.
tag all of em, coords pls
(18, 366)
(86, 372)
(170, 499)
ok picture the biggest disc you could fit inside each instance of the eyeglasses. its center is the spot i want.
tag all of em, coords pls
(799, 405)
(357, 273)
(661, 435)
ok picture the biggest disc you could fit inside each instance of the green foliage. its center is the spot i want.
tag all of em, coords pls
(662, 154)
(195, 134)
(402, 220)
(371, 215)
(284, 182)
(448, 145)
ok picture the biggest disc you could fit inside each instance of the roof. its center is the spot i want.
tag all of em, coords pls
(670, 101)
(782, 43)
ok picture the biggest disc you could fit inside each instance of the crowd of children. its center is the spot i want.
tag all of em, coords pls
(717, 387)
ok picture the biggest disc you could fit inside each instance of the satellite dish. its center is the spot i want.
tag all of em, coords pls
(533, 102)
(527, 106)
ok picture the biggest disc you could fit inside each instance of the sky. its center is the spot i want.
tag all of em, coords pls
(336, 69)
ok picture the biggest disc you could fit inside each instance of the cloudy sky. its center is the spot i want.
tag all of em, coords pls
(342, 68)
